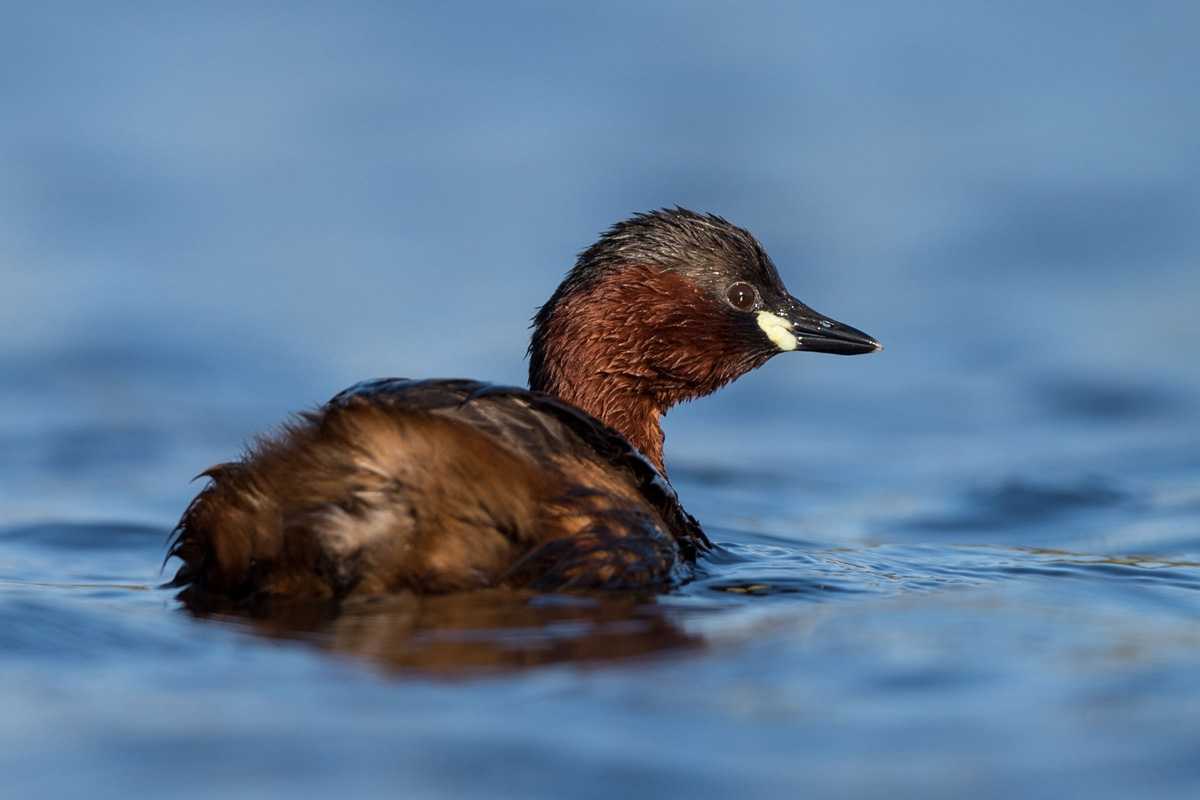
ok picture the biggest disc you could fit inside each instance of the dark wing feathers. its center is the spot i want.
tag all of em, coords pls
(536, 422)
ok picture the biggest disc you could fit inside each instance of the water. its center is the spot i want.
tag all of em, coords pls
(966, 567)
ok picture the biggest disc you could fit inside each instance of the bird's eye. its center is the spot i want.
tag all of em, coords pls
(741, 296)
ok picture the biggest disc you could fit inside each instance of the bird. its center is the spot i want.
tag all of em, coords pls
(448, 485)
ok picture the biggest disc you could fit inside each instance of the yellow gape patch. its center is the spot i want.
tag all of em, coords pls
(778, 330)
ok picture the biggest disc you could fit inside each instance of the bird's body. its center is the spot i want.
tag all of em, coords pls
(447, 485)
(435, 486)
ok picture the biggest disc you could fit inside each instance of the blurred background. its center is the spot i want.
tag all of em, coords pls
(213, 214)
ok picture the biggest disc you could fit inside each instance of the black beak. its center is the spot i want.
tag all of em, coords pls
(820, 334)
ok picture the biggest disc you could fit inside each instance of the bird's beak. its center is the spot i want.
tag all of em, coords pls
(801, 328)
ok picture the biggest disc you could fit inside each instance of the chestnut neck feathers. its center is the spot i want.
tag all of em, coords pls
(642, 322)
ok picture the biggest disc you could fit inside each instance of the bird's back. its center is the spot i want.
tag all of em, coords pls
(434, 486)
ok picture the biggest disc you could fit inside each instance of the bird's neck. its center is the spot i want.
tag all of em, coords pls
(635, 415)
(626, 349)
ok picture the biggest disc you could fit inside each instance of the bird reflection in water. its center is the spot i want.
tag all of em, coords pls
(464, 632)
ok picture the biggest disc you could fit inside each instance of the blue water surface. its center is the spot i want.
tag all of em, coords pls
(968, 566)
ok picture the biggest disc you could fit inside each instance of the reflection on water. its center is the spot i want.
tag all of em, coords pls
(476, 633)
(862, 652)
(472, 632)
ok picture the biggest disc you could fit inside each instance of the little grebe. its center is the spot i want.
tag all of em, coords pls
(445, 485)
